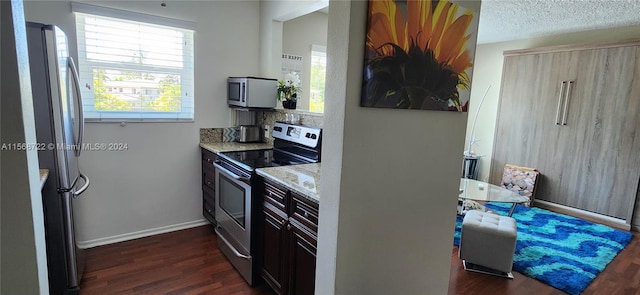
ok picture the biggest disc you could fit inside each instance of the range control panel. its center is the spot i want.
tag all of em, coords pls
(305, 135)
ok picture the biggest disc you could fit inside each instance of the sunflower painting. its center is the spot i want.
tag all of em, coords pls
(419, 55)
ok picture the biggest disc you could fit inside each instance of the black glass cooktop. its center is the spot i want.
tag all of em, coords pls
(251, 160)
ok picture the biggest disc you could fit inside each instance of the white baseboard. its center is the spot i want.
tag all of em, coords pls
(140, 234)
(586, 215)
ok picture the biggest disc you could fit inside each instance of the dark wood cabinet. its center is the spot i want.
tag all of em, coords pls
(289, 240)
(302, 260)
(275, 236)
(208, 185)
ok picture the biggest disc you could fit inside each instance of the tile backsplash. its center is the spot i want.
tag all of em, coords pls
(278, 115)
(306, 118)
(210, 135)
(214, 135)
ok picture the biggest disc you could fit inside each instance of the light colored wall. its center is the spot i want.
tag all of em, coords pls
(298, 36)
(488, 71)
(155, 184)
(23, 251)
(272, 15)
(389, 180)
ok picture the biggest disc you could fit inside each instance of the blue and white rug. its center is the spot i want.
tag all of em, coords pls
(564, 252)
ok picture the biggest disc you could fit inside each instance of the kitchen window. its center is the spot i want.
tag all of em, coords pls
(134, 67)
(317, 77)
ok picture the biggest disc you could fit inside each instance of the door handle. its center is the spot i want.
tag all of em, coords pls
(233, 249)
(81, 190)
(231, 174)
(78, 96)
(566, 103)
(559, 109)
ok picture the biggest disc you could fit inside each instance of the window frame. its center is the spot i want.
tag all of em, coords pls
(314, 50)
(186, 73)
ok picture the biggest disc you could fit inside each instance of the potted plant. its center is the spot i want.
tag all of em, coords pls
(288, 90)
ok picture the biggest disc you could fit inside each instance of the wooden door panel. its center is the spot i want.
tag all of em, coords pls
(526, 132)
(274, 246)
(302, 261)
(602, 123)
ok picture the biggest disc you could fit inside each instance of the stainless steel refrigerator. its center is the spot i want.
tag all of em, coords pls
(59, 130)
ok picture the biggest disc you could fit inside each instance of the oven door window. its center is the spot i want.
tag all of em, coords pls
(232, 199)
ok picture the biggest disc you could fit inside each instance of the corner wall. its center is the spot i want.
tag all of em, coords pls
(23, 250)
(390, 180)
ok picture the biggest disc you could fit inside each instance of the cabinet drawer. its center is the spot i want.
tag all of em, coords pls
(208, 157)
(305, 212)
(275, 195)
(208, 209)
(209, 178)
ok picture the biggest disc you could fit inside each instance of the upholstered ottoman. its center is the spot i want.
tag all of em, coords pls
(487, 243)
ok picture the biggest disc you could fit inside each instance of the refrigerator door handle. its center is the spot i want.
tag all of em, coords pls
(81, 190)
(78, 96)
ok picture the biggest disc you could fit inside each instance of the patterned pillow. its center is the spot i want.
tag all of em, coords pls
(519, 181)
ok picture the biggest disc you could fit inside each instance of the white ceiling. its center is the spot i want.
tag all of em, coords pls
(504, 20)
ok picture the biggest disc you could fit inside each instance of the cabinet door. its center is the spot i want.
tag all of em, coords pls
(602, 146)
(274, 247)
(208, 205)
(527, 130)
(302, 260)
(208, 185)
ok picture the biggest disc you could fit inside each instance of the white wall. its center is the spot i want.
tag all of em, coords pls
(155, 184)
(298, 36)
(488, 71)
(389, 180)
(23, 250)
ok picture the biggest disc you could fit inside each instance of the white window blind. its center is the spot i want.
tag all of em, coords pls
(132, 70)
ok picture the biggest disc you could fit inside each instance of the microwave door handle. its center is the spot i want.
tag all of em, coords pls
(243, 91)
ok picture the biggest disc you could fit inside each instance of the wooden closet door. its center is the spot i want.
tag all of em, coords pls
(601, 136)
(526, 130)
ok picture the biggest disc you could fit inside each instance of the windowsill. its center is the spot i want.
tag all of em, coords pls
(300, 112)
(121, 121)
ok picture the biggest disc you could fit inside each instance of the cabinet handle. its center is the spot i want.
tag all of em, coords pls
(560, 102)
(289, 226)
(208, 182)
(566, 103)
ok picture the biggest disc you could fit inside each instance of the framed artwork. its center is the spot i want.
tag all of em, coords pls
(418, 55)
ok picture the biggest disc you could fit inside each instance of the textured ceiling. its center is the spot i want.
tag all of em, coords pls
(503, 20)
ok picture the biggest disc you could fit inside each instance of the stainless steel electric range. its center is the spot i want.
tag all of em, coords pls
(236, 199)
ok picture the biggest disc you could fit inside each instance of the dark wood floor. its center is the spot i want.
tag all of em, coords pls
(189, 262)
(181, 262)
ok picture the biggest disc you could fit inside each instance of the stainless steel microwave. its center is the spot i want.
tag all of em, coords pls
(252, 92)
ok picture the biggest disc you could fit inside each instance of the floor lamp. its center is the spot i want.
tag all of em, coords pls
(470, 162)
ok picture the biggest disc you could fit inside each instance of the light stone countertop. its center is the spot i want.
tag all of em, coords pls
(221, 147)
(44, 173)
(303, 179)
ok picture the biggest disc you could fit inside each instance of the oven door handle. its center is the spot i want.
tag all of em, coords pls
(231, 174)
(233, 249)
